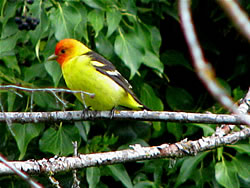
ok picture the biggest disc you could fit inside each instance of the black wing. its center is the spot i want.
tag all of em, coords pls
(107, 68)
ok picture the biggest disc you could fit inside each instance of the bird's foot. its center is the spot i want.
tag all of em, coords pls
(112, 113)
(86, 111)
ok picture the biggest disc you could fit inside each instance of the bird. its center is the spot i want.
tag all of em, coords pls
(86, 70)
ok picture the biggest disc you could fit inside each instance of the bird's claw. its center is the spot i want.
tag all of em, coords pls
(112, 113)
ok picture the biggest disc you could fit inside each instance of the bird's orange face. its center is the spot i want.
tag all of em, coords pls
(67, 49)
(64, 50)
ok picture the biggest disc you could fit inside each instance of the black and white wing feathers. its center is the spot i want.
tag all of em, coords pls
(107, 68)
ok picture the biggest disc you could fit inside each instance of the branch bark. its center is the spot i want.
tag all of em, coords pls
(238, 16)
(203, 68)
(177, 150)
(66, 116)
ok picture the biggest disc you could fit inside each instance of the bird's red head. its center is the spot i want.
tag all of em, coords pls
(67, 49)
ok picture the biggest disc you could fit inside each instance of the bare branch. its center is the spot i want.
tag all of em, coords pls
(177, 150)
(14, 170)
(50, 90)
(34, 117)
(238, 16)
(76, 181)
(68, 116)
(55, 90)
(203, 68)
(54, 181)
(243, 108)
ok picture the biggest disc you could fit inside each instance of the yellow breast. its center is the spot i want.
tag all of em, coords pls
(79, 74)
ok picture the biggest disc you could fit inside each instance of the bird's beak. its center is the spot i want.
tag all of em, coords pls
(52, 57)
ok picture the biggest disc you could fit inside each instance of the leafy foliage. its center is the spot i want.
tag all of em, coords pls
(144, 41)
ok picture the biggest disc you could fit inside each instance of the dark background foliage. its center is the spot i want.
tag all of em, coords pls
(144, 40)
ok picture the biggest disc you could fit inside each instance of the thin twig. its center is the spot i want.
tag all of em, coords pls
(15, 170)
(54, 181)
(51, 90)
(56, 90)
(238, 16)
(203, 68)
(243, 108)
(76, 182)
(7, 120)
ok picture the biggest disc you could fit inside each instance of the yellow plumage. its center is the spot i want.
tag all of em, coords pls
(85, 70)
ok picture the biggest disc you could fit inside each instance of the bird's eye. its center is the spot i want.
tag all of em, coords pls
(62, 51)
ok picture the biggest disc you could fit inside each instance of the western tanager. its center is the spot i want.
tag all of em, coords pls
(85, 70)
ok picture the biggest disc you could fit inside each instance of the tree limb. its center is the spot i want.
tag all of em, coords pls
(14, 170)
(204, 68)
(177, 150)
(238, 16)
(67, 116)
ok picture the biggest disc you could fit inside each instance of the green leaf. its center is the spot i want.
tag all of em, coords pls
(176, 129)
(148, 37)
(190, 131)
(9, 29)
(207, 129)
(144, 184)
(9, 11)
(175, 58)
(203, 175)
(131, 55)
(93, 176)
(189, 166)
(9, 43)
(37, 10)
(34, 71)
(129, 6)
(65, 20)
(179, 99)
(11, 63)
(101, 143)
(46, 101)
(155, 37)
(96, 4)
(148, 97)
(226, 174)
(119, 172)
(25, 55)
(145, 39)
(241, 163)
(4, 137)
(7, 74)
(83, 128)
(225, 85)
(96, 18)
(172, 11)
(104, 46)
(48, 48)
(113, 19)
(11, 100)
(59, 142)
(158, 171)
(82, 30)
(54, 71)
(157, 126)
(152, 60)
(241, 148)
(220, 153)
(24, 133)
(238, 93)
